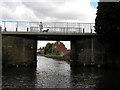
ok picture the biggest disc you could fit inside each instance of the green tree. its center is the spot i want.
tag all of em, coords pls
(48, 48)
(107, 25)
(108, 18)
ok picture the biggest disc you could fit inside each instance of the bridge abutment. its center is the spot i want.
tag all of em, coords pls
(18, 51)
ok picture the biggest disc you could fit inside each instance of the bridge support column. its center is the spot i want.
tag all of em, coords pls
(18, 51)
(82, 52)
(74, 54)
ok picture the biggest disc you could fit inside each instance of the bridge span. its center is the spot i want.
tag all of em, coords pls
(51, 36)
(57, 30)
(19, 41)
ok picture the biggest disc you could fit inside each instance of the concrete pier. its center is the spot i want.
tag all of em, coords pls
(87, 52)
(18, 51)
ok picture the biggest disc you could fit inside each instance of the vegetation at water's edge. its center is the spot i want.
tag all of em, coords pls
(58, 57)
(49, 55)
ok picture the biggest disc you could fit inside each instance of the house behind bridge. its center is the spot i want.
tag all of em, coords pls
(59, 46)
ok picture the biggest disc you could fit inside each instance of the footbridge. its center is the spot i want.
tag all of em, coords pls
(56, 30)
(19, 40)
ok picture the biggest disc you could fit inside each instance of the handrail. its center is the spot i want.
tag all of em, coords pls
(65, 27)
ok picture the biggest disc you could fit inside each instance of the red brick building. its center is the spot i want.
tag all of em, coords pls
(59, 46)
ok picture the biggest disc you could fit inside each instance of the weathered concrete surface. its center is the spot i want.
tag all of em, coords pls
(87, 52)
(52, 35)
(18, 51)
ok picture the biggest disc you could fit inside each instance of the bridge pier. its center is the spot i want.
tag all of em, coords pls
(18, 51)
(82, 52)
(87, 52)
(74, 54)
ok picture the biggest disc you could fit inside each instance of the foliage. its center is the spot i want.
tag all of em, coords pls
(108, 18)
(56, 52)
(49, 55)
(107, 22)
(107, 25)
(48, 48)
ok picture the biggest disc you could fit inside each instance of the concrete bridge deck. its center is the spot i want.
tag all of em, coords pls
(51, 35)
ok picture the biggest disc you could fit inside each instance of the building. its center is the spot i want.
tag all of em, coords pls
(40, 50)
(59, 46)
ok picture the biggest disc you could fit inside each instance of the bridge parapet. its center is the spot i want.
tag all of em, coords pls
(60, 27)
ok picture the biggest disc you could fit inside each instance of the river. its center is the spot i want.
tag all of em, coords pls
(51, 73)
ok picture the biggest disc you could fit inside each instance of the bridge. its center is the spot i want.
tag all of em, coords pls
(54, 27)
(57, 30)
(19, 40)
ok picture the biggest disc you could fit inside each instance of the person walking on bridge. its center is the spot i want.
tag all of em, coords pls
(41, 26)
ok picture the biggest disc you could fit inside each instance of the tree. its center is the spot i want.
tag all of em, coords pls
(107, 22)
(48, 48)
(108, 18)
(107, 25)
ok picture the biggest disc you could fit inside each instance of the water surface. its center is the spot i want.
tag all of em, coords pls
(51, 73)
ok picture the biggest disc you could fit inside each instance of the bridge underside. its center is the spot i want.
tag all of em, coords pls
(20, 50)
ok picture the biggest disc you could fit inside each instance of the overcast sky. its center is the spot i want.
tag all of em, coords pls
(49, 11)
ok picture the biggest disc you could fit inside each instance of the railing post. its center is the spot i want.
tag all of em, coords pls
(27, 29)
(16, 29)
(67, 28)
(5, 29)
(4, 25)
(79, 27)
(83, 30)
(54, 27)
(91, 30)
(0, 29)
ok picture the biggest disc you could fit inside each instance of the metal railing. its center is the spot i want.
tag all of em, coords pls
(55, 27)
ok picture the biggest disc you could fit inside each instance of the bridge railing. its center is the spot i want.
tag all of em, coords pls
(55, 27)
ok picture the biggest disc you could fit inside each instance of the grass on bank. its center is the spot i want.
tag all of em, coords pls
(49, 55)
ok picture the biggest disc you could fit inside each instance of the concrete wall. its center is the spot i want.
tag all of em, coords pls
(18, 51)
(87, 52)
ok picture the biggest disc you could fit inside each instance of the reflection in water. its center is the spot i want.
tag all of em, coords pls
(109, 79)
(52, 73)
(84, 77)
(18, 78)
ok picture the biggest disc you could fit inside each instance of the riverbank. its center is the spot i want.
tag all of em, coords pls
(58, 57)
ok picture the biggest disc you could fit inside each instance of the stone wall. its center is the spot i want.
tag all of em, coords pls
(18, 51)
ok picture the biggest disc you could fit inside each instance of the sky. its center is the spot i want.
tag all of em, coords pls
(49, 11)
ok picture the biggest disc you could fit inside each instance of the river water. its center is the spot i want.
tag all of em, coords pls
(51, 73)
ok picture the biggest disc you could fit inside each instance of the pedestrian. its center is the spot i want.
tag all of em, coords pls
(41, 26)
